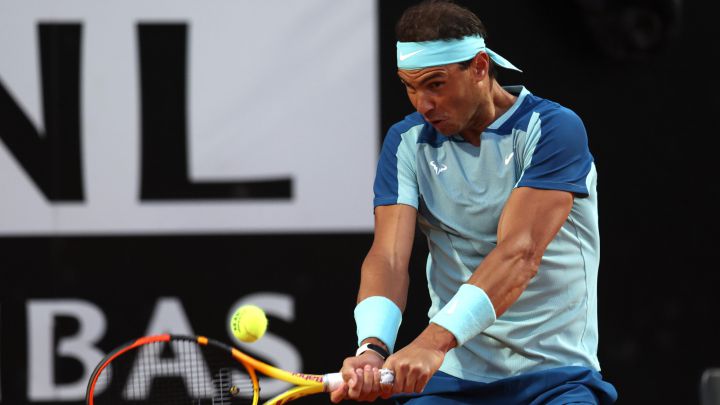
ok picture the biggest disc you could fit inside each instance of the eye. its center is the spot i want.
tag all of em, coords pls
(435, 85)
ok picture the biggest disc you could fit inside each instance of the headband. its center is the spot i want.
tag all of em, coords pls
(418, 55)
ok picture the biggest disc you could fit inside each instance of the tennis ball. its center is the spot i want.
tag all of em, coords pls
(248, 323)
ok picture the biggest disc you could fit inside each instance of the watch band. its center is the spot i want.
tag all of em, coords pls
(373, 348)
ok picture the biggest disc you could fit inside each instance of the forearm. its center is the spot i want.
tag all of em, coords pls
(436, 337)
(492, 288)
(530, 220)
(505, 274)
(379, 278)
(384, 277)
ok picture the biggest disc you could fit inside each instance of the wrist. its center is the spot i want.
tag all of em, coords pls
(375, 341)
(438, 338)
(378, 350)
(468, 313)
(379, 317)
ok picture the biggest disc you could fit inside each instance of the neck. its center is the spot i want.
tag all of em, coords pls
(489, 109)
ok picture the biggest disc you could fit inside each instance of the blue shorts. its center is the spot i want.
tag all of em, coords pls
(562, 385)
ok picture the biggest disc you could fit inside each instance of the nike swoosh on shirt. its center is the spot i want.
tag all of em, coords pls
(507, 159)
(408, 55)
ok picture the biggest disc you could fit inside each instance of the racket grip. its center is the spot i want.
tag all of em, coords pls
(334, 380)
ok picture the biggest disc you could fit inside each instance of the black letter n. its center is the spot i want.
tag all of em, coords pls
(52, 160)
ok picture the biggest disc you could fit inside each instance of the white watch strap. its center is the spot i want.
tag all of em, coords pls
(362, 349)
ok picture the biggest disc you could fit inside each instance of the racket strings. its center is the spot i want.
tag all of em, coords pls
(177, 372)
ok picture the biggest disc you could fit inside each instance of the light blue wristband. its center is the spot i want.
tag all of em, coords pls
(378, 317)
(467, 314)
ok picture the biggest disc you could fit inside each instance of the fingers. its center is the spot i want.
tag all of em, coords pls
(401, 376)
(408, 378)
(413, 380)
(339, 394)
(386, 390)
(400, 370)
(366, 386)
(362, 379)
(421, 382)
(369, 384)
(355, 385)
(365, 383)
(348, 374)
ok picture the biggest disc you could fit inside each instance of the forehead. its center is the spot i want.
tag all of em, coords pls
(418, 75)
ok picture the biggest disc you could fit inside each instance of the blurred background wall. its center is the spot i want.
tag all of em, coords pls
(163, 162)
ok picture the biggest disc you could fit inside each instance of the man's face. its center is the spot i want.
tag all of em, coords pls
(447, 96)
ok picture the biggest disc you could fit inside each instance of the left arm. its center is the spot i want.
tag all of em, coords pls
(530, 220)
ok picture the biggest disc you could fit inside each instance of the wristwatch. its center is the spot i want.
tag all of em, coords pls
(373, 348)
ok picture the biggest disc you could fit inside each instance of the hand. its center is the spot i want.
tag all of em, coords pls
(418, 361)
(362, 378)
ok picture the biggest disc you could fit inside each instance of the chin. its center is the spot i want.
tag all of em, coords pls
(446, 128)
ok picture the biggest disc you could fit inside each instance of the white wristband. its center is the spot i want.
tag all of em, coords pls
(467, 314)
(378, 317)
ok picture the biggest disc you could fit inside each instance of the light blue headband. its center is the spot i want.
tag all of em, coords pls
(418, 55)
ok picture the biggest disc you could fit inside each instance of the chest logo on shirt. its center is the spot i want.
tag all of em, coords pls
(438, 169)
(507, 159)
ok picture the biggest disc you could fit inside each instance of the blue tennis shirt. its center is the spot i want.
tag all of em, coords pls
(460, 190)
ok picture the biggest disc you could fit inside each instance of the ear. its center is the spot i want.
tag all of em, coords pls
(480, 66)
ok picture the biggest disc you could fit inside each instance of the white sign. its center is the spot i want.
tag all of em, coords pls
(168, 317)
(275, 90)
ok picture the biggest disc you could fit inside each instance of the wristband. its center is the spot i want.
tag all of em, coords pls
(467, 314)
(378, 317)
(373, 348)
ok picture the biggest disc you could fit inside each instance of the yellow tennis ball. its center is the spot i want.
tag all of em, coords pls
(248, 323)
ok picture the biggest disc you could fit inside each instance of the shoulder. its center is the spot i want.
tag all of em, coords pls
(551, 117)
(409, 130)
(411, 123)
(558, 128)
(536, 115)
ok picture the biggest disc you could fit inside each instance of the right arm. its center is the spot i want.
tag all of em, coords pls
(385, 269)
(384, 273)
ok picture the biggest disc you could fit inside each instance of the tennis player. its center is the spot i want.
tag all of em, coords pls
(503, 185)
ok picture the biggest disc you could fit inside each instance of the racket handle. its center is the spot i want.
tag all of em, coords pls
(334, 380)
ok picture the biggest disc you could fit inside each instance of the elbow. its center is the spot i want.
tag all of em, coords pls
(525, 257)
(531, 270)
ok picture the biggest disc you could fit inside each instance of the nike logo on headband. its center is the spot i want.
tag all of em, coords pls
(408, 55)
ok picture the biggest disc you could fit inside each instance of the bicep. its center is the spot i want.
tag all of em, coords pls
(532, 217)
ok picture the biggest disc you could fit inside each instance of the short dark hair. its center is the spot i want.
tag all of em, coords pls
(434, 20)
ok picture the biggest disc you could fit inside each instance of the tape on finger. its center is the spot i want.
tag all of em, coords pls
(387, 376)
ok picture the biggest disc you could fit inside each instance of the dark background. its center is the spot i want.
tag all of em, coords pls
(639, 73)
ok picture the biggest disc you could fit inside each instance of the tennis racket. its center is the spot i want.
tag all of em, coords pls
(170, 369)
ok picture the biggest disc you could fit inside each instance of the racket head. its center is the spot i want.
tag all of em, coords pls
(172, 369)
